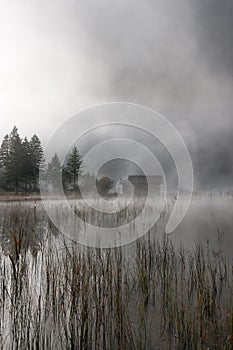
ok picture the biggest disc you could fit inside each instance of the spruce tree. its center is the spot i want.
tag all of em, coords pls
(54, 171)
(27, 166)
(73, 168)
(20, 161)
(4, 151)
(37, 156)
(4, 159)
(14, 169)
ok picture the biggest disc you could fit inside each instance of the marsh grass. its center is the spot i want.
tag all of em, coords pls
(63, 296)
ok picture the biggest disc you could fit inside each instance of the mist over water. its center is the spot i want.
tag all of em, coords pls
(58, 288)
(175, 57)
(208, 220)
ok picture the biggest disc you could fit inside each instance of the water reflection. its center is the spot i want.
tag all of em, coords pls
(25, 225)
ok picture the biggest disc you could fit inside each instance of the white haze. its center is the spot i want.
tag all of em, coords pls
(58, 57)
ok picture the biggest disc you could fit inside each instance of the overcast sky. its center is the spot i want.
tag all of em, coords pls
(58, 57)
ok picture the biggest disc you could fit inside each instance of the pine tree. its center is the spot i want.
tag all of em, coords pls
(54, 172)
(20, 161)
(14, 168)
(4, 151)
(37, 156)
(73, 168)
(4, 159)
(28, 177)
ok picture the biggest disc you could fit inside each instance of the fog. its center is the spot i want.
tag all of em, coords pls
(59, 57)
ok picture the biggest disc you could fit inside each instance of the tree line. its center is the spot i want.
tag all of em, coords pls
(22, 161)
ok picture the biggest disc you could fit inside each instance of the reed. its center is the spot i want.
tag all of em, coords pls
(55, 294)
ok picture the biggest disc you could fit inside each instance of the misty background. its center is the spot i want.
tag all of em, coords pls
(176, 57)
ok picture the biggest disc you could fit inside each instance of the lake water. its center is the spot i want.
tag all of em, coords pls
(209, 219)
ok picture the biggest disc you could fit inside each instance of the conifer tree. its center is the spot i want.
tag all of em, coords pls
(14, 168)
(4, 158)
(20, 161)
(54, 171)
(4, 151)
(37, 156)
(27, 166)
(73, 168)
